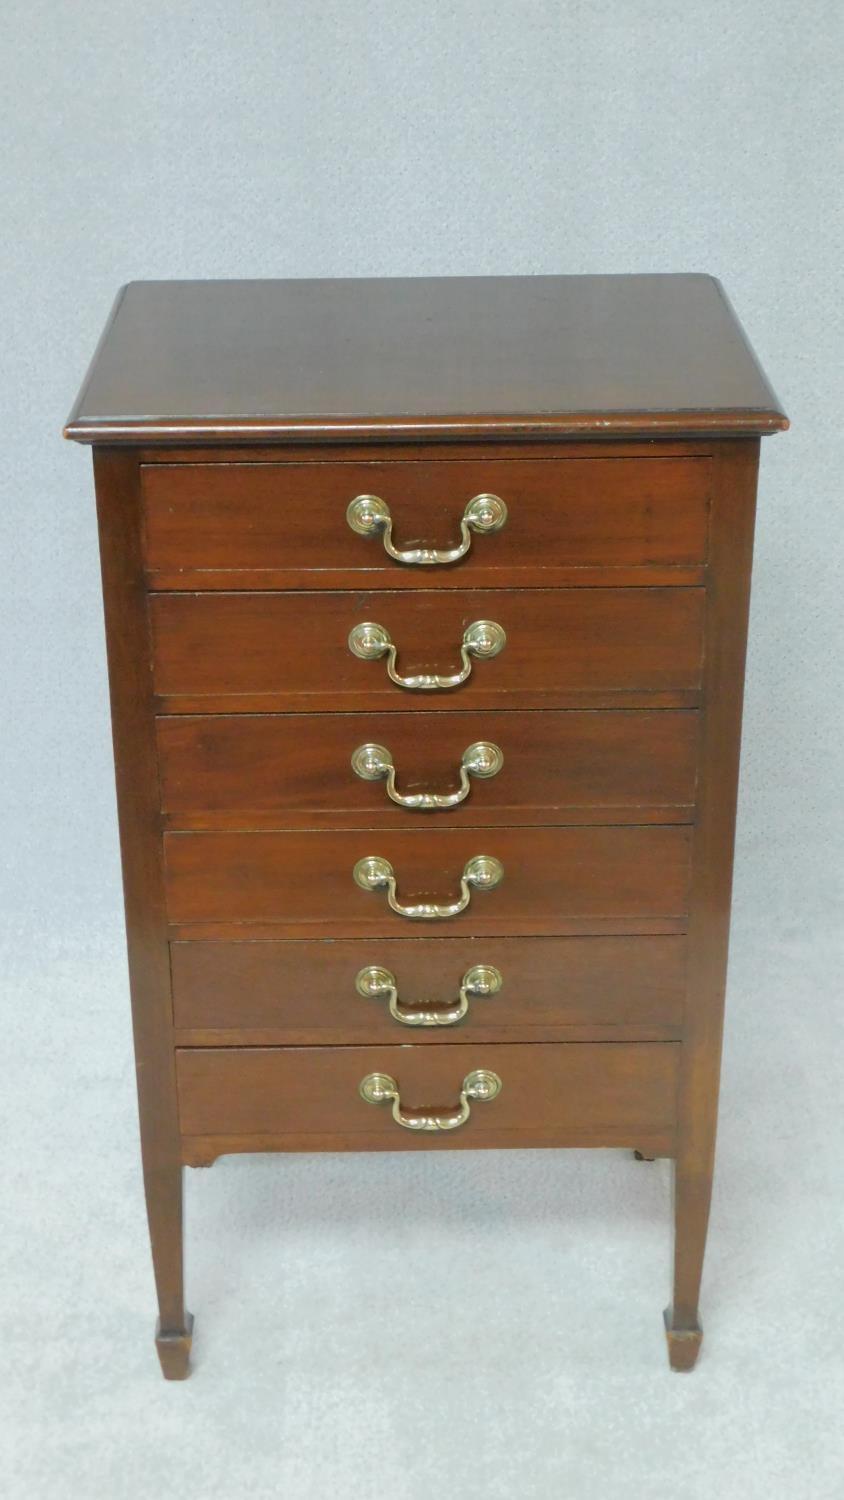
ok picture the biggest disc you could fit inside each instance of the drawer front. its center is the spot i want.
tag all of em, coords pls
(554, 880)
(293, 992)
(610, 1093)
(205, 523)
(296, 770)
(291, 651)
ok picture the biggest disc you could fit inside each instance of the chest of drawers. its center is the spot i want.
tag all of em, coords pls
(426, 609)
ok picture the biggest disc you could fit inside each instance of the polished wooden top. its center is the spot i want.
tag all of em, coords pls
(518, 356)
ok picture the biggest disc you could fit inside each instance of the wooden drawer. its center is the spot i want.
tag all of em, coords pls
(566, 1094)
(555, 880)
(295, 770)
(230, 525)
(306, 992)
(564, 647)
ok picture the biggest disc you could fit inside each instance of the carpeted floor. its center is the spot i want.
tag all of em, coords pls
(477, 1324)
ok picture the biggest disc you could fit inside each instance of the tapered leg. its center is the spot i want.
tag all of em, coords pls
(174, 1329)
(692, 1195)
(136, 770)
(730, 554)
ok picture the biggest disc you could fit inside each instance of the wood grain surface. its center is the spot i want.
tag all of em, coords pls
(254, 652)
(578, 1093)
(301, 992)
(302, 882)
(494, 356)
(204, 522)
(295, 771)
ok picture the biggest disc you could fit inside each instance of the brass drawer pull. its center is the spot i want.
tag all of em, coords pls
(478, 1087)
(369, 514)
(374, 762)
(482, 872)
(482, 639)
(377, 983)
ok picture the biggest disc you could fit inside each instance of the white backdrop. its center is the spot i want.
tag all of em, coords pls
(401, 138)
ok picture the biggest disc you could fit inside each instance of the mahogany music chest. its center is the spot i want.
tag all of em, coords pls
(426, 608)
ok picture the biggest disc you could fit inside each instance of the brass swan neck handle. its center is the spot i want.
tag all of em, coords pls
(478, 1087)
(375, 982)
(482, 873)
(369, 515)
(482, 640)
(375, 763)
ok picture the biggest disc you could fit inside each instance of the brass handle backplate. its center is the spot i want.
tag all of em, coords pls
(369, 515)
(378, 983)
(482, 639)
(481, 873)
(375, 763)
(478, 1087)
